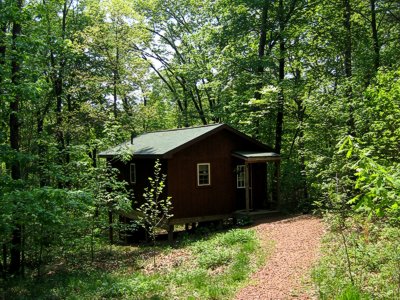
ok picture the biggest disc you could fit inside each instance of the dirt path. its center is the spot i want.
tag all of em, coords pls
(286, 274)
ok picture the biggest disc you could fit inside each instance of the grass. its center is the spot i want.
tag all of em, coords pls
(210, 266)
(374, 257)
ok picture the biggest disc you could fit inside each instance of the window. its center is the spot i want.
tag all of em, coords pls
(132, 173)
(203, 174)
(240, 176)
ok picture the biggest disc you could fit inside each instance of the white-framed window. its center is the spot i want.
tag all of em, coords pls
(203, 174)
(132, 173)
(240, 177)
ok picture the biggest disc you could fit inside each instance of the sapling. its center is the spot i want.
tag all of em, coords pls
(156, 210)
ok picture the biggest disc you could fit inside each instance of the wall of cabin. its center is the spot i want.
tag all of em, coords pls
(144, 170)
(190, 200)
(220, 197)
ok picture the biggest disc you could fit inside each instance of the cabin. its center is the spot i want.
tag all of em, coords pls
(212, 171)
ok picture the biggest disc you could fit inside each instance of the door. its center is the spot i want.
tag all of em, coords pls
(258, 185)
(244, 186)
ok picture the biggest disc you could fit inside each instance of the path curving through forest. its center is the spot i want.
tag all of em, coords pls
(286, 274)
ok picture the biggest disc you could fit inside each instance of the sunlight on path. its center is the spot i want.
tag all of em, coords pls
(286, 274)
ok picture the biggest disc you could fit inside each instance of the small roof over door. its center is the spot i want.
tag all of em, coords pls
(254, 157)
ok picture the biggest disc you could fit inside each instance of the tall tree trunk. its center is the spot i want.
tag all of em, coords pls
(41, 147)
(261, 48)
(3, 27)
(116, 77)
(110, 226)
(41, 150)
(281, 99)
(185, 112)
(300, 136)
(16, 241)
(261, 55)
(59, 87)
(115, 91)
(348, 65)
(188, 93)
(68, 133)
(4, 261)
(301, 112)
(3, 33)
(375, 38)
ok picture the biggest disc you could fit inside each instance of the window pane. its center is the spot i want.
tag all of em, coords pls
(240, 176)
(203, 174)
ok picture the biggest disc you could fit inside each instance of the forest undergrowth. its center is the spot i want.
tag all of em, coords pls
(361, 261)
(207, 265)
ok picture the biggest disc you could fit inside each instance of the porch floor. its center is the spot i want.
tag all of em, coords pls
(256, 214)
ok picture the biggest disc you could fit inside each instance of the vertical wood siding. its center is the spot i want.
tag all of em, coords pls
(189, 200)
(220, 197)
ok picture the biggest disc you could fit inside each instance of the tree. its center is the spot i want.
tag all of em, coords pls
(16, 242)
(108, 43)
(156, 209)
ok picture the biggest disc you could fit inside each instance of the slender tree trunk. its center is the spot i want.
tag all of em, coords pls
(39, 267)
(68, 132)
(375, 38)
(182, 105)
(281, 99)
(200, 104)
(261, 56)
(348, 65)
(59, 88)
(197, 103)
(94, 158)
(115, 93)
(3, 33)
(4, 261)
(110, 227)
(185, 112)
(279, 116)
(261, 48)
(116, 76)
(301, 112)
(16, 241)
(41, 150)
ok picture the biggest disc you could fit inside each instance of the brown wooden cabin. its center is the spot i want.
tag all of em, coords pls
(212, 171)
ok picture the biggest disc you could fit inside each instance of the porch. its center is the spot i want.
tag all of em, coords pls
(255, 179)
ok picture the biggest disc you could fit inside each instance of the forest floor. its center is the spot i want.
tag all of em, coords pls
(287, 272)
(207, 264)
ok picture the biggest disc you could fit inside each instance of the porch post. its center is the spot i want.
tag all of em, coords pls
(170, 233)
(278, 182)
(246, 180)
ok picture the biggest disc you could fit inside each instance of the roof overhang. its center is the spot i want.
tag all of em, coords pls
(257, 157)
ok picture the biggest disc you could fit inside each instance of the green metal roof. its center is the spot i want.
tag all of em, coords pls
(160, 143)
(256, 156)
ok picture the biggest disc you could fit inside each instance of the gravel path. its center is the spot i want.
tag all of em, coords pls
(286, 274)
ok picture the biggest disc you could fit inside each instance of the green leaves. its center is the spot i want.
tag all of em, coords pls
(346, 144)
(55, 215)
(156, 210)
(380, 189)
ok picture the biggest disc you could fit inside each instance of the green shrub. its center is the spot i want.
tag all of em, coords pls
(374, 257)
(214, 258)
(351, 293)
